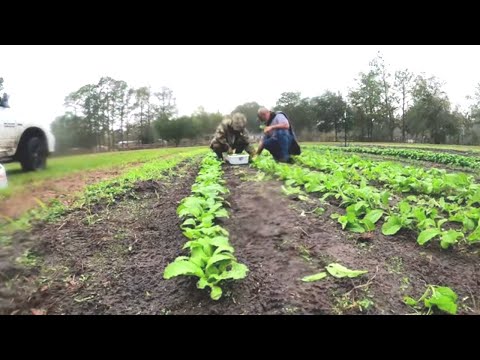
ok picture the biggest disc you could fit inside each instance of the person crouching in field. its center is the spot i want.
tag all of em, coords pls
(232, 136)
(279, 138)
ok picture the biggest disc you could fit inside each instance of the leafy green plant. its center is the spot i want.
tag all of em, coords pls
(402, 220)
(359, 218)
(340, 271)
(336, 270)
(447, 237)
(442, 297)
(211, 261)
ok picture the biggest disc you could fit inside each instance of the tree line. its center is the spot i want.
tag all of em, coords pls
(386, 106)
(111, 112)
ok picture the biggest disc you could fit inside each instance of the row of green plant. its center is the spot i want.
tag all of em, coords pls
(365, 205)
(414, 154)
(211, 257)
(456, 187)
(415, 212)
(109, 191)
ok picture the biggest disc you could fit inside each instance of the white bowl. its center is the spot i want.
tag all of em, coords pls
(238, 159)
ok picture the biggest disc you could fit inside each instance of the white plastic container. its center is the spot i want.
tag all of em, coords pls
(238, 159)
(3, 177)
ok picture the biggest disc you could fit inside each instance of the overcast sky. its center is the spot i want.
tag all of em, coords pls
(219, 77)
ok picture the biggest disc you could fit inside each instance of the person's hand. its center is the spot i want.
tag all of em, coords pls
(267, 129)
(230, 150)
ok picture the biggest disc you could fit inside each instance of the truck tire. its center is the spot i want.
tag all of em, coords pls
(34, 155)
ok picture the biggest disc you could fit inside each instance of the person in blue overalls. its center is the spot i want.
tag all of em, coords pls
(279, 138)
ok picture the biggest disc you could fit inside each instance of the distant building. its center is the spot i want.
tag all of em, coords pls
(127, 144)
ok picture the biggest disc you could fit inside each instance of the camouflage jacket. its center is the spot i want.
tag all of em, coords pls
(226, 135)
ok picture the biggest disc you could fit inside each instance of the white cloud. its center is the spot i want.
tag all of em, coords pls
(219, 77)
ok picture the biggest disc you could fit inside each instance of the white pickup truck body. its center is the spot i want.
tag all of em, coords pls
(22, 140)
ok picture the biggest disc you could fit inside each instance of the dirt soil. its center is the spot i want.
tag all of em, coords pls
(111, 260)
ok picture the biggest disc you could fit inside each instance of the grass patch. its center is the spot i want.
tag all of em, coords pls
(28, 259)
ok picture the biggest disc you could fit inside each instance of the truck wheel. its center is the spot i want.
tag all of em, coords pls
(34, 155)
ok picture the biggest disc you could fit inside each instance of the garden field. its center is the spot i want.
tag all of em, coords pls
(357, 230)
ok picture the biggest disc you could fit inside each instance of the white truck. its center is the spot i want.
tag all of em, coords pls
(27, 142)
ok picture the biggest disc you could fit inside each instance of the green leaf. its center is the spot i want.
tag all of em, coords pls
(236, 272)
(474, 236)
(335, 216)
(340, 271)
(449, 238)
(190, 206)
(442, 203)
(199, 232)
(326, 195)
(356, 227)
(409, 301)
(404, 207)
(384, 198)
(311, 188)
(426, 224)
(192, 244)
(182, 267)
(289, 182)
(444, 298)
(369, 226)
(427, 235)
(216, 292)
(359, 206)
(199, 256)
(217, 258)
(290, 190)
(441, 222)
(202, 283)
(374, 215)
(213, 205)
(342, 220)
(224, 248)
(468, 224)
(207, 220)
(458, 217)
(221, 213)
(189, 221)
(419, 214)
(475, 198)
(315, 277)
(412, 198)
(392, 225)
(219, 241)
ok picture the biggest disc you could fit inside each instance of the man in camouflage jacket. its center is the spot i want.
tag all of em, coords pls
(232, 136)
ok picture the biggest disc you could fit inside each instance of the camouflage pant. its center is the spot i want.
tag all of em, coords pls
(238, 146)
